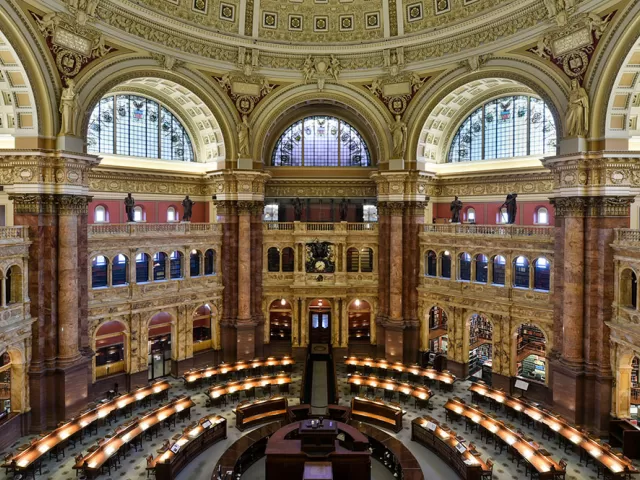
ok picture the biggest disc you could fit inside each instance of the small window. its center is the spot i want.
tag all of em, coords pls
(369, 213)
(503, 216)
(499, 264)
(465, 267)
(100, 214)
(171, 215)
(270, 212)
(471, 215)
(445, 265)
(541, 274)
(481, 268)
(521, 273)
(542, 216)
(138, 214)
(431, 263)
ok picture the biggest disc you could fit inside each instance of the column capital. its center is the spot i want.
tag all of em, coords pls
(402, 186)
(599, 206)
(238, 185)
(249, 207)
(43, 203)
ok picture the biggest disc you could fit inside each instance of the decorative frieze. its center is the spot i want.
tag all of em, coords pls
(592, 206)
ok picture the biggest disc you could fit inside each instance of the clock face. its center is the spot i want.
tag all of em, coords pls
(320, 265)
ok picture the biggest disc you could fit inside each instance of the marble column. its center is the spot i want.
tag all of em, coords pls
(413, 222)
(383, 278)
(68, 350)
(245, 324)
(394, 335)
(257, 314)
(228, 218)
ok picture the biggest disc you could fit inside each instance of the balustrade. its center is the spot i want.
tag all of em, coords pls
(320, 227)
(151, 229)
(503, 231)
(14, 234)
(627, 235)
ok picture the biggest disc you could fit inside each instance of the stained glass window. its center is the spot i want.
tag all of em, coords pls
(514, 126)
(138, 127)
(321, 141)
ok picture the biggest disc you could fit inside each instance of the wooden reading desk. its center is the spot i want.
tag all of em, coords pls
(378, 413)
(444, 442)
(418, 392)
(193, 441)
(93, 462)
(61, 435)
(444, 377)
(616, 466)
(537, 457)
(192, 376)
(281, 380)
(260, 411)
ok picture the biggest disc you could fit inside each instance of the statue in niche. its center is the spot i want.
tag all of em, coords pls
(68, 106)
(455, 208)
(129, 204)
(578, 111)
(344, 208)
(243, 138)
(334, 67)
(512, 207)
(399, 136)
(187, 204)
(297, 209)
(308, 69)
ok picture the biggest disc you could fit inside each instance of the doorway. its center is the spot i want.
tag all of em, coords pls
(159, 357)
(320, 322)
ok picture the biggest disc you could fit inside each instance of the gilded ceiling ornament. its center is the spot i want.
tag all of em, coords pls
(73, 44)
(321, 69)
(167, 61)
(396, 92)
(245, 91)
(475, 62)
(571, 45)
(82, 9)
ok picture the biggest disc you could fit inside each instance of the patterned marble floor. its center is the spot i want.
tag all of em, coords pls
(133, 467)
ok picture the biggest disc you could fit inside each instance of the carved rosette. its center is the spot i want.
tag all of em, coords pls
(592, 206)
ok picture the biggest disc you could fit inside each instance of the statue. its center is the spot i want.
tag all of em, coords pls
(187, 204)
(344, 208)
(552, 9)
(243, 138)
(512, 207)
(374, 88)
(308, 69)
(297, 209)
(68, 106)
(334, 67)
(129, 204)
(578, 111)
(455, 208)
(399, 135)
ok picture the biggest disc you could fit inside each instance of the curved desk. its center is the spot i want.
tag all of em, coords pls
(282, 381)
(244, 452)
(403, 462)
(378, 413)
(419, 393)
(444, 377)
(260, 411)
(192, 376)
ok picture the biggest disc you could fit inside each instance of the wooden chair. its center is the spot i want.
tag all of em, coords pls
(487, 474)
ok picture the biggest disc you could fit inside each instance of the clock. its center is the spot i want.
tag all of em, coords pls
(320, 265)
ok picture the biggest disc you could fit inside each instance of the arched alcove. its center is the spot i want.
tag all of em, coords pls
(161, 329)
(111, 347)
(480, 347)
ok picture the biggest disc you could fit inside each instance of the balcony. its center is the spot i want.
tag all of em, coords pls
(14, 235)
(152, 230)
(304, 227)
(500, 231)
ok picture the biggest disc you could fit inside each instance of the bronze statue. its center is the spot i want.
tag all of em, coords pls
(129, 204)
(297, 209)
(455, 208)
(511, 206)
(344, 208)
(187, 204)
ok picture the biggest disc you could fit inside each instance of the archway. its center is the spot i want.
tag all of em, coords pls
(280, 314)
(202, 329)
(438, 325)
(359, 319)
(320, 321)
(480, 333)
(530, 355)
(111, 349)
(159, 347)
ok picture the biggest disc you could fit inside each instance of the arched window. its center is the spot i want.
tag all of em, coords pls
(99, 267)
(481, 268)
(531, 346)
(321, 141)
(542, 216)
(138, 214)
(159, 266)
(287, 259)
(194, 263)
(175, 270)
(5, 382)
(110, 349)
(499, 269)
(541, 274)
(521, 272)
(210, 262)
(202, 318)
(273, 259)
(430, 263)
(172, 215)
(353, 260)
(465, 266)
(13, 285)
(136, 126)
(513, 126)
(445, 265)
(503, 216)
(629, 288)
(119, 270)
(100, 214)
(142, 268)
(471, 215)
(366, 260)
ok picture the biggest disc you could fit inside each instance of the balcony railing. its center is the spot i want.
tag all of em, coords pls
(626, 235)
(14, 234)
(320, 226)
(502, 231)
(151, 229)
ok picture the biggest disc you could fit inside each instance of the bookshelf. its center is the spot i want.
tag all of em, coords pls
(439, 344)
(280, 326)
(532, 367)
(480, 330)
(480, 356)
(635, 389)
(359, 326)
(437, 319)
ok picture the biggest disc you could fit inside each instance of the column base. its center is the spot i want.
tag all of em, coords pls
(246, 341)
(339, 353)
(71, 389)
(394, 342)
(228, 340)
(299, 354)
(460, 370)
(12, 429)
(568, 392)
(411, 344)
(501, 382)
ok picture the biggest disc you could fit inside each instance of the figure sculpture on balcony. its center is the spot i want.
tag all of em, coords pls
(344, 207)
(511, 206)
(129, 204)
(187, 204)
(455, 208)
(297, 209)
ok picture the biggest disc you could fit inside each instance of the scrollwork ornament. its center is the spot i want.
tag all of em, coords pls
(72, 204)
(395, 208)
(569, 206)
